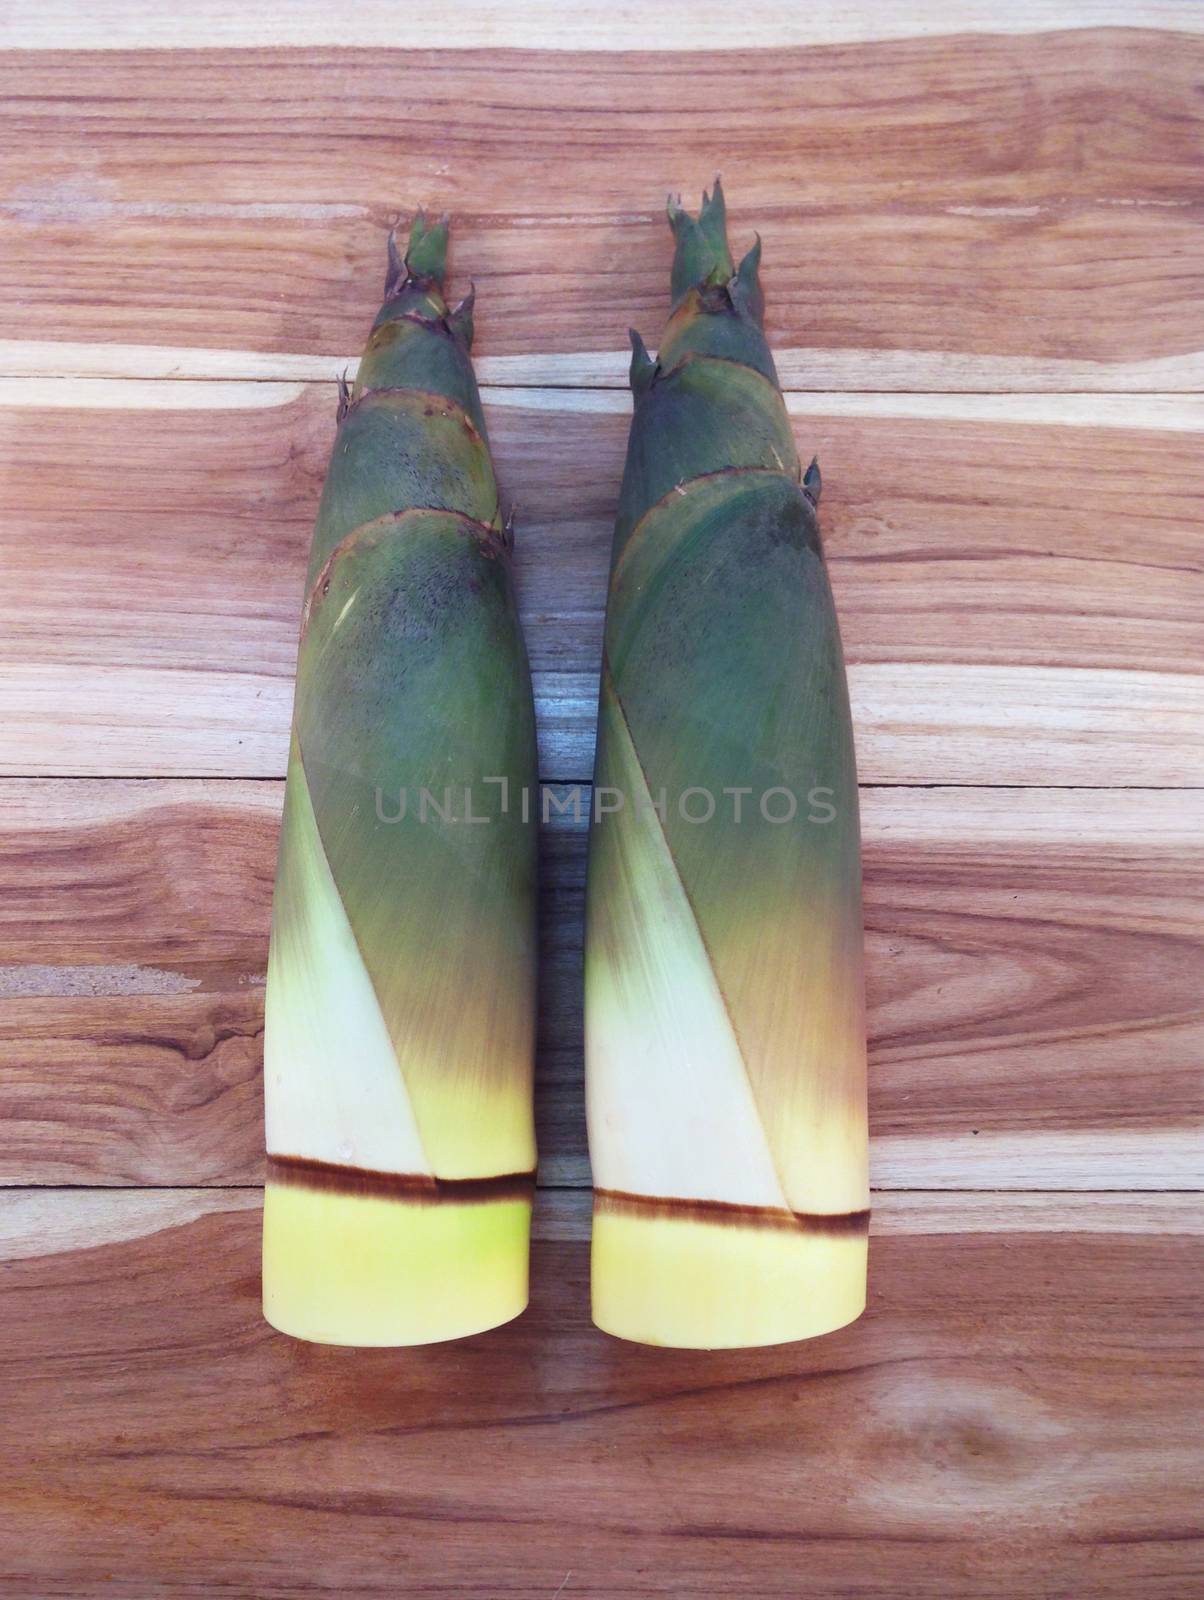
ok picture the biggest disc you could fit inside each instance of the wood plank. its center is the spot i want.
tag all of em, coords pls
(1000, 208)
(1015, 1415)
(806, 369)
(140, 24)
(1032, 200)
(39, 1223)
(177, 518)
(1033, 961)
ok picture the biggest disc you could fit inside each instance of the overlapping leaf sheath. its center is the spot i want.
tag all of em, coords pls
(401, 979)
(724, 1013)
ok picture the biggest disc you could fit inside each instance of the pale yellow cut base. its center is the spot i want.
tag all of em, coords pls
(715, 1286)
(363, 1270)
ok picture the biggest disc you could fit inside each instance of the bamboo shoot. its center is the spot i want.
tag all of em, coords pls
(399, 1027)
(725, 1054)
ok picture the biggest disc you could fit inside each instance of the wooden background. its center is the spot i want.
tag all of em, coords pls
(983, 259)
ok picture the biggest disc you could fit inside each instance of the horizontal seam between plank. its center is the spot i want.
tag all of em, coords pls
(551, 386)
(584, 1188)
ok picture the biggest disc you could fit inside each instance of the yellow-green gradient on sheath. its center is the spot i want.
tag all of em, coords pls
(400, 1009)
(725, 1037)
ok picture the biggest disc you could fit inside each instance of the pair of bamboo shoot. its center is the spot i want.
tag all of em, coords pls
(725, 1064)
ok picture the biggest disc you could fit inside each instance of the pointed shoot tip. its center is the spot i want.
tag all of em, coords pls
(396, 269)
(643, 368)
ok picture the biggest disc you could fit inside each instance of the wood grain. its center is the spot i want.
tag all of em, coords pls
(982, 230)
(801, 370)
(940, 200)
(43, 1222)
(593, 24)
(1033, 965)
(1017, 1414)
(155, 555)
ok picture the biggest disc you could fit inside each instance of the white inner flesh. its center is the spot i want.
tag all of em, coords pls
(671, 1112)
(333, 1089)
